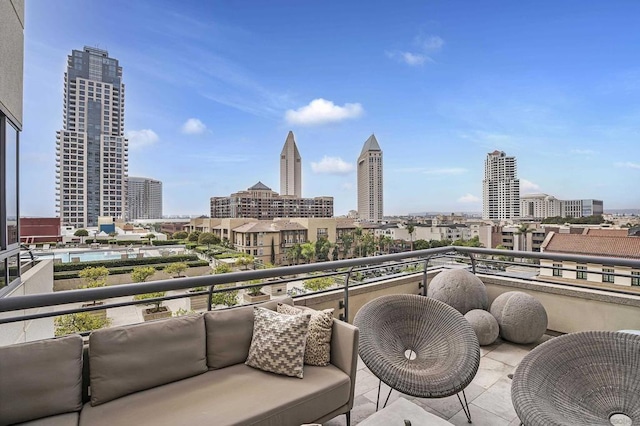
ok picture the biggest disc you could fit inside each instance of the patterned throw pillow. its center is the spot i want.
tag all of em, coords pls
(278, 342)
(318, 349)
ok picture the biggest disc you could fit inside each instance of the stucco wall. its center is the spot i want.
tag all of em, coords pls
(38, 279)
(12, 58)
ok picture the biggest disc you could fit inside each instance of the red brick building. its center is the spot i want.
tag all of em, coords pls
(39, 230)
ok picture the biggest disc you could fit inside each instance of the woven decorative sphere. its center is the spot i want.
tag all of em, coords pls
(484, 325)
(459, 289)
(521, 317)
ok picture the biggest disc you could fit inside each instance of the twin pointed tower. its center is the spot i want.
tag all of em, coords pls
(290, 168)
(370, 206)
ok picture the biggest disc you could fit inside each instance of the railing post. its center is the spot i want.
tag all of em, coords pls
(423, 284)
(345, 301)
(473, 262)
(209, 298)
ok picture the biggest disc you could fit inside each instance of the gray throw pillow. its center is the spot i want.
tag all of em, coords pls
(278, 342)
(318, 348)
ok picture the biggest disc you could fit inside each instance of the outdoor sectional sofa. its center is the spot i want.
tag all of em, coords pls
(185, 370)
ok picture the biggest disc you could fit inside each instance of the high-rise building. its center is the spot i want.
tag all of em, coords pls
(260, 202)
(500, 187)
(370, 201)
(11, 83)
(144, 198)
(290, 168)
(540, 206)
(582, 208)
(91, 150)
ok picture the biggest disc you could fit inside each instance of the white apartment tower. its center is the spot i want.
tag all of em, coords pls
(91, 150)
(500, 187)
(144, 198)
(290, 168)
(370, 205)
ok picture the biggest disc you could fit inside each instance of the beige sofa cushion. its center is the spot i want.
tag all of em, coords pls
(236, 395)
(68, 419)
(229, 333)
(318, 348)
(127, 359)
(40, 379)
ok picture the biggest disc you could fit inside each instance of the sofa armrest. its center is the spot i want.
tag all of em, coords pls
(344, 351)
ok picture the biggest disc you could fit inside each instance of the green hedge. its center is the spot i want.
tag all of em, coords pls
(65, 275)
(113, 263)
(229, 255)
(166, 242)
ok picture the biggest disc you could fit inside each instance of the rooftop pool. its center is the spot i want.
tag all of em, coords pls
(68, 257)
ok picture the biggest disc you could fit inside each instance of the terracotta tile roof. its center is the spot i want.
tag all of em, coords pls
(627, 247)
(606, 232)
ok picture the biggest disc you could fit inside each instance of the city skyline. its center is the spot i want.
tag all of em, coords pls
(208, 101)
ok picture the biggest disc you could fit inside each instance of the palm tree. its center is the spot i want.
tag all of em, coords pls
(294, 252)
(357, 235)
(411, 229)
(524, 230)
(308, 251)
(346, 240)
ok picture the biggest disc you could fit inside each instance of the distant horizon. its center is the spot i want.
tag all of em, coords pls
(213, 89)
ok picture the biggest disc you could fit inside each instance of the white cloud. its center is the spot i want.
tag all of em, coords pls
(628, 165)
(583, 151)
(528, 187)
(409, 58)
(332, 165)
(141, 138)
(426, 46)
(193, 126)
(468, 198)
(321, 111)
(430, 43)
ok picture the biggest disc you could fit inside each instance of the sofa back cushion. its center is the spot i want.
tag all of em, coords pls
(40, 379)
(229, 333)
(123, 360)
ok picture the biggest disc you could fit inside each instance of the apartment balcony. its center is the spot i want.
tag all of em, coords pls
(571, 307)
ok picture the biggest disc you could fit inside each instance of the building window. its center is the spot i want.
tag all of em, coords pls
(635, 278)
(557, 271)
(606, 275)
(581, 273)
(9, 237)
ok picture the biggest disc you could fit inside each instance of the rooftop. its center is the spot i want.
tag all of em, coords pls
(613, 246)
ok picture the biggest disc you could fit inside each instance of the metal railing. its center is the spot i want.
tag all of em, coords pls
(474, 257)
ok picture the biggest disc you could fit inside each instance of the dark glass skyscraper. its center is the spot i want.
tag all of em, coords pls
(92, 153)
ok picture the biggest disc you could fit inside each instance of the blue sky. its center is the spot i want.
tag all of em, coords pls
(212, 88)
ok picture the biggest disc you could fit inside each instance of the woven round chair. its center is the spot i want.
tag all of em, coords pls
(418, 346)
(587, 378)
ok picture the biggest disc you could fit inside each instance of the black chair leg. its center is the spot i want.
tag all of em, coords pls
(465, 406)
(348, 417)
(378, 399)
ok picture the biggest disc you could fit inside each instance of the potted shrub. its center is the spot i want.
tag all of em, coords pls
(176, 269)
(140, 275)
(279, 289)
(255, 294)
(157, 311)
(95, 277)
(198, 301)
(79, 322)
